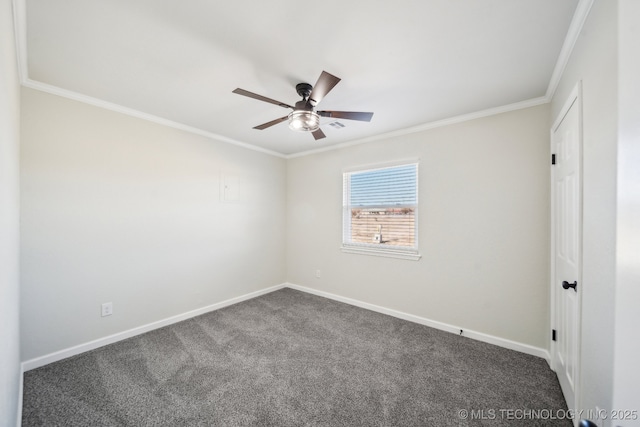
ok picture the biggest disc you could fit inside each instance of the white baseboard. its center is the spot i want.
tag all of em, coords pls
(501, 342)
(100, 342)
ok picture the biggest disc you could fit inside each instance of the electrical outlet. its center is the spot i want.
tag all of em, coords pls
(107, 309)
(318, 274)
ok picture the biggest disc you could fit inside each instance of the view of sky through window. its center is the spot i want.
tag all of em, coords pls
(384, 187)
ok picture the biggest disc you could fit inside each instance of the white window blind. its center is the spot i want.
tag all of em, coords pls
(380, 211)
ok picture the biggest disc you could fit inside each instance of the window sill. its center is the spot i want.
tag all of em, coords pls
(388, 253)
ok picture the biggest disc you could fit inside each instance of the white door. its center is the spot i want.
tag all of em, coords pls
(566, 256)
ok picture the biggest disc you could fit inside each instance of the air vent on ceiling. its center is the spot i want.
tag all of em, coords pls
(336, 125)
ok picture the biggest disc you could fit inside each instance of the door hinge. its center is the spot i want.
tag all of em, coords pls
(553, 335)
(553, 159)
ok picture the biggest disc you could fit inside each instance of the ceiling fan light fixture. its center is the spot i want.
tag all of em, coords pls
(304, 121)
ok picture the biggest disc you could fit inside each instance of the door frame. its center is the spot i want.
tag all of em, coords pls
(575, 97)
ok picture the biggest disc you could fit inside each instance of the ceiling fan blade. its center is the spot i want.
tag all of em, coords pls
(349, 115)
(261, 98)
(318, 134)
(271, 123)
(323, 86)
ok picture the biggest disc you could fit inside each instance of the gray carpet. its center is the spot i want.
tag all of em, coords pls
(290, 359)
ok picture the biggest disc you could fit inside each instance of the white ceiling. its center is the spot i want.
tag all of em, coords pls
(410, 62)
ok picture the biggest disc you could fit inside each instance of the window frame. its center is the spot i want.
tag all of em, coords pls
(390, 251)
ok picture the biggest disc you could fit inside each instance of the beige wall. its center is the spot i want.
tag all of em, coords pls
(594, 61)
(9, 213)
(118, 209)
(483, 226)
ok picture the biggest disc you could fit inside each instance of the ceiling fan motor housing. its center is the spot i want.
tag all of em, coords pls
(304, 105)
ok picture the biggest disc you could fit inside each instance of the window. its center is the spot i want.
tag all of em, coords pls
(380, 211)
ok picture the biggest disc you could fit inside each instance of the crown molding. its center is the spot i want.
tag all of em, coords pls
(20, 26)
(431, 125)
(577, 22)
(20, 29)
(142, 115)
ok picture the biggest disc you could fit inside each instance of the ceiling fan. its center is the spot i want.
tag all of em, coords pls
(304, 117)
